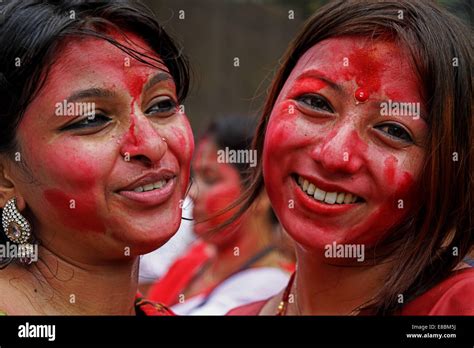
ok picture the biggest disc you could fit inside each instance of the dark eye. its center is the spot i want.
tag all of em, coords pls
(96, 120)
(396, 131)
(164, 106)
(316, 101)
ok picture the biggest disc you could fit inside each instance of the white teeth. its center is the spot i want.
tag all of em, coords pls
(150, 187)
(159, 184)
(319, 195)
(330, 197)
(305, 185)
(348, 198)
(326, 197)
(340, 197)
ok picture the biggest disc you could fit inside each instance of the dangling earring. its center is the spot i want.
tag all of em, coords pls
(18, 230)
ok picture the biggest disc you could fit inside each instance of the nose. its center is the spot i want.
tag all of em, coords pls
(342, 150)
(142, 142)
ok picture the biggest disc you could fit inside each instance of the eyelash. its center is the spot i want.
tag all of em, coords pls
(89, 122)
(170, 108)
(309, 99)
(405, 136)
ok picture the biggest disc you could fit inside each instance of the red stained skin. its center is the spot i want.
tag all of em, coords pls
(82, 217)
(87, 165)
(216, 186)
(367, 70)
(344, 148)
(390, 169)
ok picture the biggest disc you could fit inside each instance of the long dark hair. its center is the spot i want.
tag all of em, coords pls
(431, 242)
(32, 33)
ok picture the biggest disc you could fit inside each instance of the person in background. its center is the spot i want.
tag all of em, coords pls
(236, 264)
(155, 264)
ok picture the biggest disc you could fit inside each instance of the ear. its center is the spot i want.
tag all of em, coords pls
(8, 189)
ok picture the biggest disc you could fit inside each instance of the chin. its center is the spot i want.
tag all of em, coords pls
(143, 238)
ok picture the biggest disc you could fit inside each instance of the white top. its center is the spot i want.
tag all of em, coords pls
(251, 285)
(155, 264)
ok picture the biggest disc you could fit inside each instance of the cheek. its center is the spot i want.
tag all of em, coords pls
(76, 211)
(181, 141)
(219, 198)
(77, 170)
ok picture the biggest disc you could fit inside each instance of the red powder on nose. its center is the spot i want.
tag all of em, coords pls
(131, 130)
(355, 144)
(83, 217)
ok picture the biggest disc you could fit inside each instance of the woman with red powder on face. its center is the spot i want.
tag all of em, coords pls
(383, 199)
(240, 264)
(92, 187)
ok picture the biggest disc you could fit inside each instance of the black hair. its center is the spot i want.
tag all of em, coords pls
(33, 31)
(235, 133)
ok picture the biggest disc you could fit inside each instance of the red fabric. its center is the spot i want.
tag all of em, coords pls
(149, 308)
(168, 288)
(452, 296)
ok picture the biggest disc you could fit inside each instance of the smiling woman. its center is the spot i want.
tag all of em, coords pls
(93, 187)
(344, 174)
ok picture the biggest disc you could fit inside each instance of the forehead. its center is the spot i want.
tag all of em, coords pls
(384, 63)
(96, 61)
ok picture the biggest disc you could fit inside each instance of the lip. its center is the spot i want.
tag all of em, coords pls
(149, 178)
(153, 197)
(318, 207)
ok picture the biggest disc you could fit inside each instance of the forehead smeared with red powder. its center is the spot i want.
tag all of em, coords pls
(377, 67)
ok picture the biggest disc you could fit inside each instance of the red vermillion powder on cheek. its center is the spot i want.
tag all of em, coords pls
(76, 212)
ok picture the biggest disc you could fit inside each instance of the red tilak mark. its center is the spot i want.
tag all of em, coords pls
(361, 95)
(83, 217)
(135, 85)
(367, 70)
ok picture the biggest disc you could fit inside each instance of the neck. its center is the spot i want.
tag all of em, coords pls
(55, 285)
(251, 237)
(327, 289)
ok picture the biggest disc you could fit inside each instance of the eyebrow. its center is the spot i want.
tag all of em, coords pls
(90, 93)
(161, 76)
(316, 74)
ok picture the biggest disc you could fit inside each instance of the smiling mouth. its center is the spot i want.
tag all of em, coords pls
(152, 186)
(330, 198)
